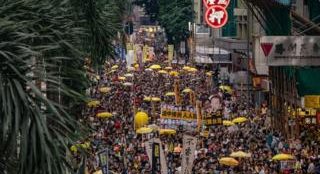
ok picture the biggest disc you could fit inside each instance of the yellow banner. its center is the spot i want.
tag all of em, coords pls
(170, 53)
(312, 101)
(145, 53)
(178, 115)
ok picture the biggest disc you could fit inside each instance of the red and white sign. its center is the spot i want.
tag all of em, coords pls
(222, 3)
(216, 16)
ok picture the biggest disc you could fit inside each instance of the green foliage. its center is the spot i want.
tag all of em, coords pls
(44, 42)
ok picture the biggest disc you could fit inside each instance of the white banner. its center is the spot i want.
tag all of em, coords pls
(189, 148)
(290, 50)
(163, 162)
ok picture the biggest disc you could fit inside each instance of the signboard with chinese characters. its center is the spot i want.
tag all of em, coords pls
(210, 3)
(312, 101)
(290, 50)
(216, 16)
(156, 158)
(189, 147)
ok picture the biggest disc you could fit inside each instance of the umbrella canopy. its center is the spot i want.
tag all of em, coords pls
(240, 154)
(122, 78)
(112, 71)
(239, 120)
(225, 88)
(104, 115)
(228, 161)
(170, 94)
(136, 66)
(104, 89)
(186, 68)
(130, 68)
(146, 98)
(282, 157)
(209, 73)
(163, 72)
(144, 130)
(155, 99)
(98, 172)
(174, 73)
(227, 123)
(168, 68)
(128, 75)
(155, 66)
(153, 126)
(187, 90)
(148, 69)
(127, 84)
(192, 70)
(167, 131)
(93, 103)
(115, 67)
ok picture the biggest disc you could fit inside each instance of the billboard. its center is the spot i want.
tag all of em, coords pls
(289, 50)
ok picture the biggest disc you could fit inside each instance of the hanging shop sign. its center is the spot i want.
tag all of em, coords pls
(216, 16)
(222, 3)
(312, 101)
(289, 50)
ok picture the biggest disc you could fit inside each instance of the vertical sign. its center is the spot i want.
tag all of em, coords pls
(170, 53)
(145, 53)
(156, 158)
(104, 160)
(189, 147)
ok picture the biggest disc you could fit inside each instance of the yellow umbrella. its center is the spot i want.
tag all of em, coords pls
(174, 73)
(122, 78)
(228, 89)
(192, 70)
(104, 89)
(140, 119)
(85, 145)
(128, 75)
(163, 72)
(170, 94)
(168, 68)
(112, 71)
(187, 90)
(127, 84)
(227, 123)
(130, 68)
(240, 154)
(228, 161)
(153, 126)
(144, 130)
(147, 98)
(104, 114)
(155, 99)
(73, 148)
(98, 172)
(93, 103)
(115, 67)
(167, 131)
(239, 120)
(155, 66)
(136, 66)
(209, 73)
(186, 68)
(282, 157)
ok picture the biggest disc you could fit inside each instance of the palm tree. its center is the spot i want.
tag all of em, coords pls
(42, 79)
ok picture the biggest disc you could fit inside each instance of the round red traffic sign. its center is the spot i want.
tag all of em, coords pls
(222, 3)
(216, 16)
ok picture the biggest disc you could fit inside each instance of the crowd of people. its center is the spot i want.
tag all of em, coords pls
(127, 148)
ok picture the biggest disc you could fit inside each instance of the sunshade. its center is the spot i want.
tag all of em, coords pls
(155, 99)
(282, 157)
(130, 68)
(148, 69)
(240, 154)
(187, 90)
(128, 75)
(122, 78)
(186, 68)
(93, 103)
(127, 84)
(104, 115)
(167, 131)
(168, 68)
(227, 123)
(155, 66)
(163, 72)
(239, 120)
(225, 88)
(147, 98)
(228, 161)
(115, 67)
(144, 130)
(192, 70)
(170, 94)
(153, 126)
(174, 73)
(104, 89)
(209, 73)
